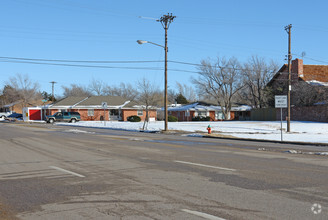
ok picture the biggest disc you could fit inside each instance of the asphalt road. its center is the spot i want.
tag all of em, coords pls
(61, 172)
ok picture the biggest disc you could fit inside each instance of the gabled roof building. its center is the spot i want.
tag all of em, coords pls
(91, 108)
(214, 112)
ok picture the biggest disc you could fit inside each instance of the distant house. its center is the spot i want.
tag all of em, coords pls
(309, 91)
(312, 74)
(307, 82)
(19, 105)
(203, 109)
(91, 109)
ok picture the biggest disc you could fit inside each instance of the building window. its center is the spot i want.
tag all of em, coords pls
(91, 112)
(219, 116)
(187, 114)
(140, 112)
(202, 114)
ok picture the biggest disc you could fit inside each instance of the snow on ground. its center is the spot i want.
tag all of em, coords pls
(268, 130)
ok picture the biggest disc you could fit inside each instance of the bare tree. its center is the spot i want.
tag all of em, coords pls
(76, 90)
(256, 74)
(149, 96)
(124, 90)
(97, 87)
(307, 94)
(221, 81)
(9, 94)
(20, 87)
(187, 91)
(171, 95)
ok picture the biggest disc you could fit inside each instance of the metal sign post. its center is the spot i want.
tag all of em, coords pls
(104, 105)
(280, 102)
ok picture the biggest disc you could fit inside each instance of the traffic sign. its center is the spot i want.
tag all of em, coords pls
(104, 105)
(280, 101)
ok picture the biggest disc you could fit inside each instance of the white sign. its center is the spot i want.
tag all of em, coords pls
(280, 101)
(104, 104)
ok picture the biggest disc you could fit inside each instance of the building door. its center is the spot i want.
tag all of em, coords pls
(35, 114)
(114, 115)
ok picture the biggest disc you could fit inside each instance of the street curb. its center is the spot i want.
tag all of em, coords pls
(269, 141)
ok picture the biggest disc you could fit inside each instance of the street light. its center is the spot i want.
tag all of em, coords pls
(149, 42)
(165, 85)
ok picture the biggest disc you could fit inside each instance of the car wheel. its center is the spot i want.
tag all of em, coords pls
(51, 120)
(3, 117)
(73, 120)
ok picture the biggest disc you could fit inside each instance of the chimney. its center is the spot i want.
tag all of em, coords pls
(297, 68)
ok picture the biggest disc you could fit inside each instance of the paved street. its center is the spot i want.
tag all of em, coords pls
(61, 172)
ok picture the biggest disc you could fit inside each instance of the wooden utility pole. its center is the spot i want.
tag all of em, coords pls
(288, 29)
(166, 20)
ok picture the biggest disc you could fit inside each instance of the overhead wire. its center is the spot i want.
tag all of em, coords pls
(64, 62)
(78, 61)
(95, 66)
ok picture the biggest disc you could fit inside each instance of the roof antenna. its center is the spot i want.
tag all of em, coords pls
(303, 54)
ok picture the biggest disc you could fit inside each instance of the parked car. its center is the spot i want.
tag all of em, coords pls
(14, 117)
(3, 115)
(64, 116)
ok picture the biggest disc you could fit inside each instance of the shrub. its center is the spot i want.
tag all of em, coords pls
(207, 118)
(171, 118)
(198, 118)
(134, 118)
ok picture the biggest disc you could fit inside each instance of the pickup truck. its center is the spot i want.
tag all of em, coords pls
(4, 115)
(63, 116)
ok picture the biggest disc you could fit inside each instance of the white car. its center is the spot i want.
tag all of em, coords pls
(4, 115)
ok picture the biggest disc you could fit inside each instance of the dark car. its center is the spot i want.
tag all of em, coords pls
(64, 116)
(14, 117)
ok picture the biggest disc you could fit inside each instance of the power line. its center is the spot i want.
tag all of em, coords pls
(78, 61)
(64, 62)
(309, 58)
(95, 66)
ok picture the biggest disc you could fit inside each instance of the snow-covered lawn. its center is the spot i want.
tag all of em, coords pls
(269, 130)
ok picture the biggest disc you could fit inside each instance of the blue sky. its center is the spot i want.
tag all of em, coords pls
(104, 30)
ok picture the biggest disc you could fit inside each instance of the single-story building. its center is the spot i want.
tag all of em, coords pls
(97, 108)
(19, 105)
(203, 109)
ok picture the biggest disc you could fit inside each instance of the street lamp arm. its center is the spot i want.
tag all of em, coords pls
(149, 42)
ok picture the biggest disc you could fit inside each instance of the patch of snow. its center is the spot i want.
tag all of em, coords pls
(193, 135)
(293, 152)
(317, 83)
(301, 131)
(76, 131)
(242, 108)
(321, 153)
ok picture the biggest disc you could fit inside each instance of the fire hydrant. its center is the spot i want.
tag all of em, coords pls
(209, 129)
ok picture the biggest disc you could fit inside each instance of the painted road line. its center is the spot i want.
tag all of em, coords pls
(202, 214)
(66, 171)
(203, 165)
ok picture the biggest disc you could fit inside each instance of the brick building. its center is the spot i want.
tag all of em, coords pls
(309, 92)
(203, 109)
(309, 83)
(91, 109)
